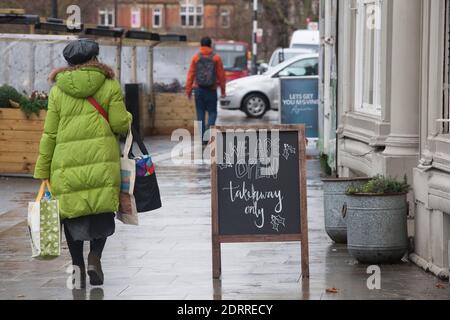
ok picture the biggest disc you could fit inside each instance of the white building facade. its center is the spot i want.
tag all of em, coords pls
(393, 108)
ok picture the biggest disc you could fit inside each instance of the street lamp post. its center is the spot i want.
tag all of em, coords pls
(254, 37)
(115, 13)
(54, 8)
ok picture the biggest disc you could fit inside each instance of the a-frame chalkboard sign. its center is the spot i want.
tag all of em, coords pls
(259, 192)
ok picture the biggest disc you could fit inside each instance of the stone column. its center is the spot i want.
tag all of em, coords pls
(403, 95)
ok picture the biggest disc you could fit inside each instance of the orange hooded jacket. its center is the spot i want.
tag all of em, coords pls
(220, 72)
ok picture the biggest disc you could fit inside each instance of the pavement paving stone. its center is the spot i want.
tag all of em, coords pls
(169, 255)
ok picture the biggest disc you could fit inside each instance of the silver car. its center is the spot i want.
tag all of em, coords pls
(258, 94)
(280, 55)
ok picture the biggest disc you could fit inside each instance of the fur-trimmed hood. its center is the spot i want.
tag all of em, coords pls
(107, 70)
(83, 80)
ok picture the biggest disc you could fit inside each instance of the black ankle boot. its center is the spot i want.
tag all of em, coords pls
(95, 271)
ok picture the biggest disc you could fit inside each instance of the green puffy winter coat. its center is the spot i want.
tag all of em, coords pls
(79, 151)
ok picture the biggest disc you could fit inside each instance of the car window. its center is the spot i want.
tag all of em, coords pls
(302, 68)
(273, 59)
(285, 56)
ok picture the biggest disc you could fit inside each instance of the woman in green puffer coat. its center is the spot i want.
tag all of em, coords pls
(80, 153)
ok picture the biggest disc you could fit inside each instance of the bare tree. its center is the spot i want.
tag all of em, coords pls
(278, 18)
(289, 15)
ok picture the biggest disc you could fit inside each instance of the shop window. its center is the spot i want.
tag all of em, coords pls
(191, 13)
(106, 17)
(157, 18)
(368, 56)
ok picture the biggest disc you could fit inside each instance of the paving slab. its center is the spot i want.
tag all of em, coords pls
(169, 255)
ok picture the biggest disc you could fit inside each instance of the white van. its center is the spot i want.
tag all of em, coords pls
(307, 40)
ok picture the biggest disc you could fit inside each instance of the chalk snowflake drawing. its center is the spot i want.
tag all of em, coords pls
(277, 221)
(225, 166)
(288, 150)
(228, 161)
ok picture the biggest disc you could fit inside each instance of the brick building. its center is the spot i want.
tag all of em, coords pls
(194, 18)
(220, 19)
(43, 8)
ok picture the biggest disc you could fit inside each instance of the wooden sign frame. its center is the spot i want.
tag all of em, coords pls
(218, 239)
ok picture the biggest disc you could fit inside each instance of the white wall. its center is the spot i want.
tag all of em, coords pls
(405, 139)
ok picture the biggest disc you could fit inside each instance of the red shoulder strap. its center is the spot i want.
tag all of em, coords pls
(99, 108)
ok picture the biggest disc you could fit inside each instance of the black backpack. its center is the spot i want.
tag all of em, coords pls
(205, 74)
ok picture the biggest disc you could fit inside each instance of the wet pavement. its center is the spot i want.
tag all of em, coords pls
(169, 255)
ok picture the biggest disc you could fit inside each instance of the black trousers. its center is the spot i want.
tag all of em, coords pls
(76, 248)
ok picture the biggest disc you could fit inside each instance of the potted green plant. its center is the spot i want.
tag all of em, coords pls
(33, 104)
(377, 220)
(334, 200)
(21, 125)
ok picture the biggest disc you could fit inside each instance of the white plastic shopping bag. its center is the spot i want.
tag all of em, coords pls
(44, 226)
(127, 209)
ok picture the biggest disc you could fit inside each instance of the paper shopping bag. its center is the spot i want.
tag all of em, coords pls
(44, 226)
(127, 205)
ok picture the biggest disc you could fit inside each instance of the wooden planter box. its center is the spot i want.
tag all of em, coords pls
(20, 135)
(173, 111)
(19, 140)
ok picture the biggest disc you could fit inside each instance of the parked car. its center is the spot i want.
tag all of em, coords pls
(306, 40)
(258, 94)
(283, 54)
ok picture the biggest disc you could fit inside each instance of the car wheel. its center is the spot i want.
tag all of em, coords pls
(255, 105)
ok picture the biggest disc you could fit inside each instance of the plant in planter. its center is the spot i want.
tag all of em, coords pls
(11, 98)
(21, 126)
(334, 200)
(36, 102)
(377, 220)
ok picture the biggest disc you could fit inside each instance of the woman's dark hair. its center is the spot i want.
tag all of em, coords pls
(206, 42)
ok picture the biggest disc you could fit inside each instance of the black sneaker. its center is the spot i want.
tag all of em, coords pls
(95, 270)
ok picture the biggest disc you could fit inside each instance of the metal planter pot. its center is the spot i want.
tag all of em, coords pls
(377, 228)
(335, 198)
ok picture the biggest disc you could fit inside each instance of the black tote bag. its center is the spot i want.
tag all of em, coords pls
(146, 189)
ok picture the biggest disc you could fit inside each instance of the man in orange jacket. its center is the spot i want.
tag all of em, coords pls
(205, 74)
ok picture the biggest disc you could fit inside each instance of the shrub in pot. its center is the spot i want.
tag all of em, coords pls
(8, 94)
(334, 198)
(33, 104)
(377, 220)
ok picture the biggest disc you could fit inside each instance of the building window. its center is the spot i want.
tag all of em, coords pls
(368, 57)
(225, 18)
(136, 18)
(106, 17)
(191, 13)
(157, 18)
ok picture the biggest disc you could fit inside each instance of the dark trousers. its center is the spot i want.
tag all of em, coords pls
(76, 248)
(206, 102)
